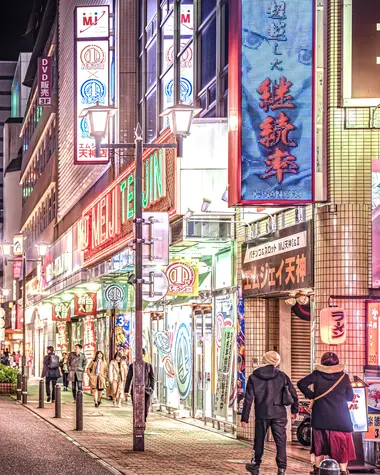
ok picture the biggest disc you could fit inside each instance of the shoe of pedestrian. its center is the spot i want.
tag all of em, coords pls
(53, 401)
(344, 472)
(74, 401)
(99, 402)
(281, 471)
(96, 404)
(252, 468)
(315, 470)
(48, 399)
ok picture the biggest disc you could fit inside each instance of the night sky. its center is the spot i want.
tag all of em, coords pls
(14, 16)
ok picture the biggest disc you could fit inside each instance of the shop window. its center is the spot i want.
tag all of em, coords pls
(207, 7)
(208, 54)
(151, 116)
(151, 70)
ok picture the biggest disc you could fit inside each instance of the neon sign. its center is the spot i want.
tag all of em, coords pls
(109, 220)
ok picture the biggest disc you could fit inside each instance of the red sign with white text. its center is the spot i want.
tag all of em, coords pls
(61, 312)
(44, 82)
(89, 344)
(85, 304)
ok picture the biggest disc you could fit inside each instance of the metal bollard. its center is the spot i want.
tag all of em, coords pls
(19, 386)
(41, 400)
(25, 389)
(58, 406)
(329, 467)
(79, 411)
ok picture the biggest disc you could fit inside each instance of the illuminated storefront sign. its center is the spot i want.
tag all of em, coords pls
(274, 264)
(376, 223)
(333, 326)
(58, 262)
(372, 333)
(107, 224)
(44, 82)
(92, 82)
(361, 53)
(271, 118)
(61, 312)
(85, 304)
(358, 410)
(373, 410)
(183, 278)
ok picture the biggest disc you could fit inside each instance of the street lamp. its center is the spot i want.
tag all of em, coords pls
(98, 117)
(180, 119)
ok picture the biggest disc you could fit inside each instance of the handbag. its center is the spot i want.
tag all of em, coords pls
(287, 398)
(327, 392)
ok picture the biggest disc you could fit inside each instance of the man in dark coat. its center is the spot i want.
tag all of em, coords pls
(269, 388)
(51, 372)
(149, 383)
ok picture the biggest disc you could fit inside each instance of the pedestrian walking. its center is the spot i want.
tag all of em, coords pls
(331, 422)
(63, 364)
(149, 383)
(117, 376)
(272, 391)
(77, 365)
(51, 373)
(97, 373)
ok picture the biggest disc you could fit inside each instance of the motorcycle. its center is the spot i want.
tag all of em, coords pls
(303, 424)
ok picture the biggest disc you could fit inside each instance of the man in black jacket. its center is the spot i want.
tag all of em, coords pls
(149, 383)
(51, 371)
(269, 388)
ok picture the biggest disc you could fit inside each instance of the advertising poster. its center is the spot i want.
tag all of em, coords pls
(92, 79)
(62, 338)
(276, 263)
(122, 332)
(373, 410)
(274, 68)
(115, 296)
(241, 379)
(376, 224)
(358, 410)
(89, 344)
(183, 278)
(372, 333)
(223, 387)
(85, 304)
(183, 360)
(61, 312)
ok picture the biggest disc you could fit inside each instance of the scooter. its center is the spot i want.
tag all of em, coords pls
(304, 424)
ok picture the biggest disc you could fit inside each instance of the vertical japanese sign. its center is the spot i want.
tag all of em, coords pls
(44, 81)
(62, 337)
(89, 344)
(271, 111)
(372, 333)
(376, 223)
(92, 82)
(358, 410)
(223, 387)
(241, 378)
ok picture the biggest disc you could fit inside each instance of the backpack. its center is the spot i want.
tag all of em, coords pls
(53, 362)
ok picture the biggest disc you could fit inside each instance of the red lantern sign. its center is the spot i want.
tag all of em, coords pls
(85, 304)
(333, 326)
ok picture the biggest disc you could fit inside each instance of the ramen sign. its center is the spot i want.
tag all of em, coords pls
(183, 278)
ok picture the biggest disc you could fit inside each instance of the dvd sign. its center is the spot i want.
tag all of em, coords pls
(44, 82)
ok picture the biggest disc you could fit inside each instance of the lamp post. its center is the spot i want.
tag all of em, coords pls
(180, 120)
(7, 252)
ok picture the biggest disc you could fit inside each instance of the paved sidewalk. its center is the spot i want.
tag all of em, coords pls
(172, 447)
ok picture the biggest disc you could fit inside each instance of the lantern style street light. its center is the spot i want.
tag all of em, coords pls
(98, 118)
(180, 119)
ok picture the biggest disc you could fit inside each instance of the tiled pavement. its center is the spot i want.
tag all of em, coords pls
(172, 447)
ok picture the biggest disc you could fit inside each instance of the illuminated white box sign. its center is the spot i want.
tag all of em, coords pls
(92, 81)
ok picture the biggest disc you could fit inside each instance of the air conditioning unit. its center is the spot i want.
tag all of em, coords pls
(211, 229)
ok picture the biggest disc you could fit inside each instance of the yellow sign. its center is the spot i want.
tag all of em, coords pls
(183, 278)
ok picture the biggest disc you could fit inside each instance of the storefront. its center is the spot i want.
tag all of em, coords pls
(277, 286)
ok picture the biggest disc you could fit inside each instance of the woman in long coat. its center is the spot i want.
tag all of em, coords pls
(117, 376)
(331, 422)
(97, 373)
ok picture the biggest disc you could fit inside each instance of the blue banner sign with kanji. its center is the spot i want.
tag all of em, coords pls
(276, 263)
(277, 93)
